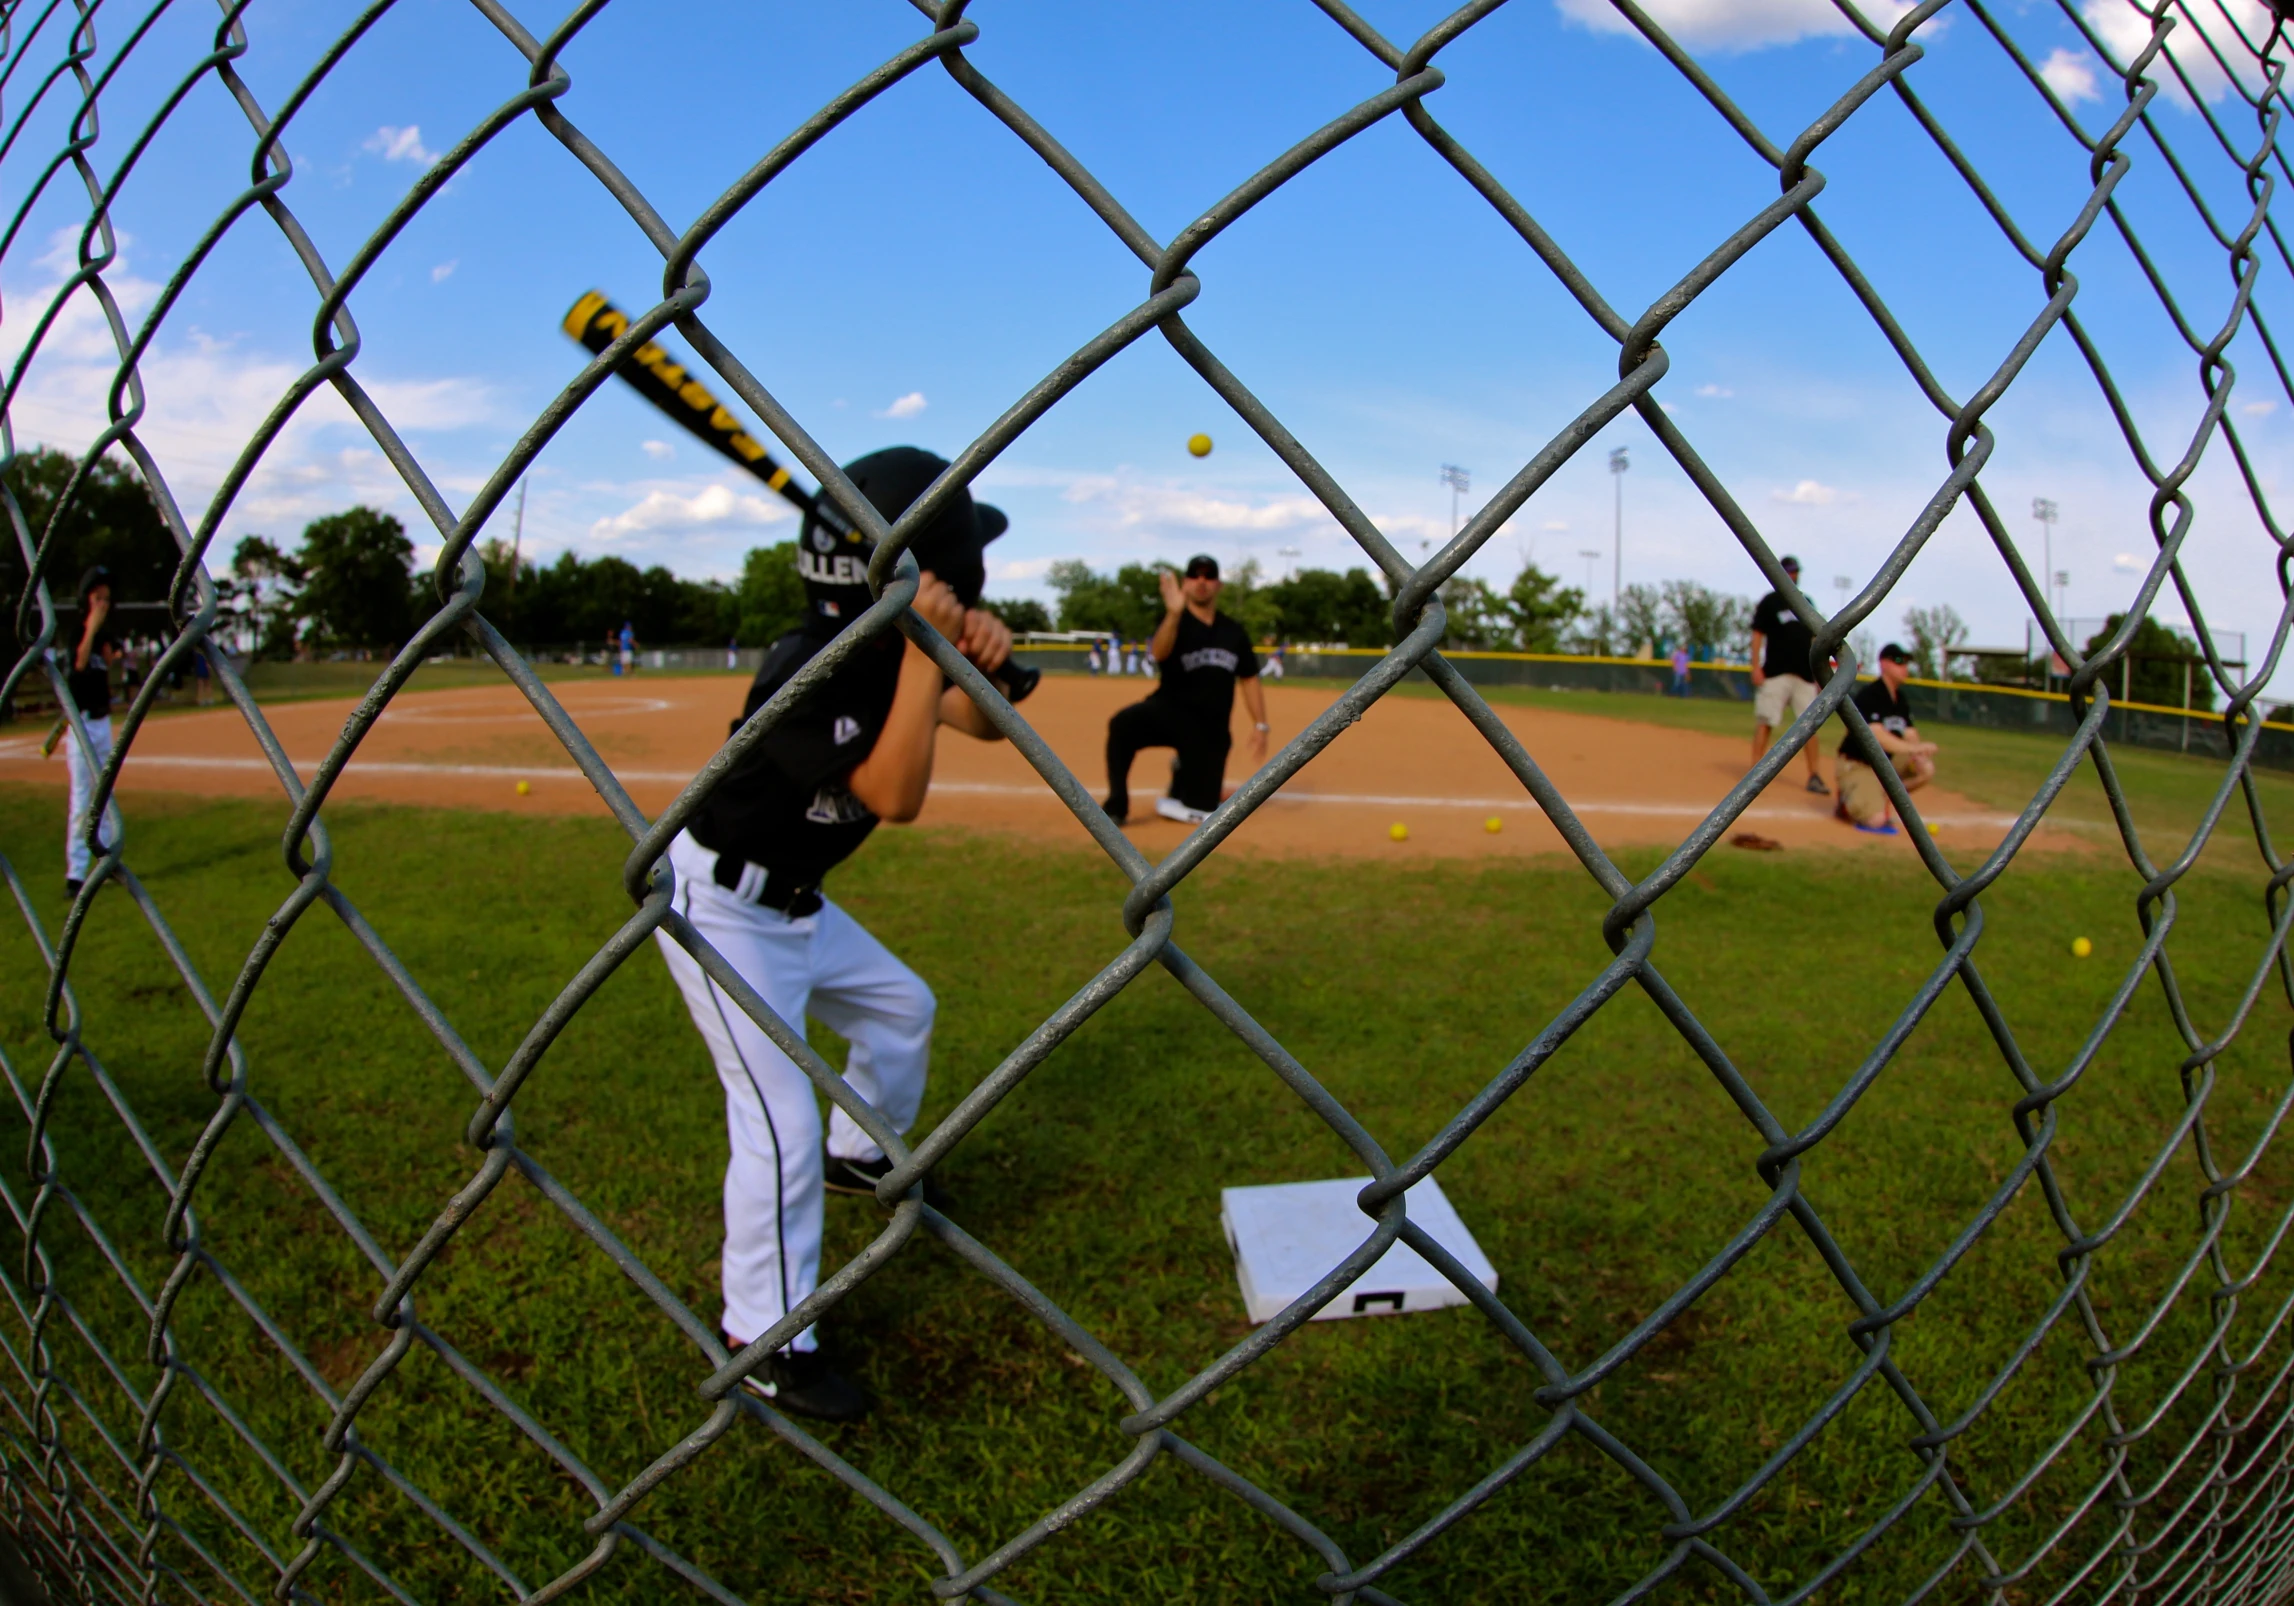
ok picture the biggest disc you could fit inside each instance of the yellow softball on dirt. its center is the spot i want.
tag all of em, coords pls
(1198, 446)
(1398, 831)
(524, 787)
(2081, 947)
(1493, 825)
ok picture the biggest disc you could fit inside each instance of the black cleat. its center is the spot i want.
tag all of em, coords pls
(1816, 785)
(802, 1383)
(71, 888)
(1118, 807)
(861, 1176)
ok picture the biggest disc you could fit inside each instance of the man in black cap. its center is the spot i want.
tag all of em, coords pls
(749, 870)
(1782, 689)
(1863, 800)
(1203, 654)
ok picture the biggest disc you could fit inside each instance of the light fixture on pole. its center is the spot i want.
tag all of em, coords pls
(1591, 555)
(1618, 464)
(2045, 512)
(1287, 552)
(1460, 481)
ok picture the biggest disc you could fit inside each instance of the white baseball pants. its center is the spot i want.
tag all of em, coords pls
(84, 772)
(827, 965)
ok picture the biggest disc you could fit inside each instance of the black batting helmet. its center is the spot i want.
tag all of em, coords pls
(834, 561)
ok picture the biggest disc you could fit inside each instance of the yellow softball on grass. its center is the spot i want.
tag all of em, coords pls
(1198, 445)
(1493, 825)
(524, 787)
(2081, 947)
(1398, 831)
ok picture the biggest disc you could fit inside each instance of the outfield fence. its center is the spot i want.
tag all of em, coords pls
(2171, 1480)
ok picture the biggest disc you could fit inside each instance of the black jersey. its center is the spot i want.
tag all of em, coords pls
(785, 805)
(92, 687)
(1882, 710)
(1204, 665)
(1785, 636)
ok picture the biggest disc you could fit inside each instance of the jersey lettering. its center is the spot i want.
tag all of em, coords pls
(1209, 658)
(841, 570)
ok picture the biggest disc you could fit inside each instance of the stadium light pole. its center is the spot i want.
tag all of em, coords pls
(1618, 464)
(2046, 513)
(1460, 481)
(1591, 555)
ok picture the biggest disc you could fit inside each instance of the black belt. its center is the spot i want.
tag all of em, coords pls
(796, 900)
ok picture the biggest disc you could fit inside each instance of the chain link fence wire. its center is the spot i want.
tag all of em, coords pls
(2190, 1500)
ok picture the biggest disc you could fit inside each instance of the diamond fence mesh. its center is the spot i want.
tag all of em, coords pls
(128, 1473)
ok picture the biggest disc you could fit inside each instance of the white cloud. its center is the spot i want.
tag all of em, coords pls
(2126, 31)
(2258, 409)
(444, 271)
(664, 511)
(2128, 563)
(1716, 392)
(659, 451)
(2071, 74)
(907, 406)
(1136, 506)
(1736, 24)
(1557, 524)
(1808, 493)
(400, 145)
(1020, 569)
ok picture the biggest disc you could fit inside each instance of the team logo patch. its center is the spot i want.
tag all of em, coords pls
(847, 729)
(823, 539)
(833, 805)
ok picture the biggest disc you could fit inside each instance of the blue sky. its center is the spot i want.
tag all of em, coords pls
(920, 269)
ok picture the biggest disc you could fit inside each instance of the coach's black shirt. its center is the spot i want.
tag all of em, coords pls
(1883, 710)
(785, 805)
(1204, 665)
(1786, 635)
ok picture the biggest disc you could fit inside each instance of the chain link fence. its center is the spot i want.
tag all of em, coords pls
(2189, 1504)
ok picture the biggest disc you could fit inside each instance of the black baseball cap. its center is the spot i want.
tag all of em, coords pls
(1894, 654)
(97, 575)
(834, 561)
(1791, 565)
(1202, 566)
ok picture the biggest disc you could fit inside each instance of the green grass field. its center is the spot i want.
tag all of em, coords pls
(1603, 1184)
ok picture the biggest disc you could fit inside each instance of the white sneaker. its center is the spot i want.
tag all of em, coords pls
(1172, 809)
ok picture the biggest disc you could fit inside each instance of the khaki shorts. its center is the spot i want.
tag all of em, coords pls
(1779, 693)
(1861, 795)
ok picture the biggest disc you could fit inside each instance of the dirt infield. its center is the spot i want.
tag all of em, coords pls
(1411, 761)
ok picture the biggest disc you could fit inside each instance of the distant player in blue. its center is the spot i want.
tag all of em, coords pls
(628, 665)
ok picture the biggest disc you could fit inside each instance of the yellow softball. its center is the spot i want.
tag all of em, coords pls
(1493, 825)
(1198, 445)
(2081, 947)
(1398, 831)
(524, 787)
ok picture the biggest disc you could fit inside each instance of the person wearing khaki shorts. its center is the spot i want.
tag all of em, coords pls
(1863, 799)
(1781, 688)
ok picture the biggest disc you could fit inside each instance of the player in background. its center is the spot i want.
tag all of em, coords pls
(90, 683)
(1781, 688)
(749, 870)
(628, 648)
(1204, 654)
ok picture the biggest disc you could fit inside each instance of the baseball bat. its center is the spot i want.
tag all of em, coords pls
(649, 370)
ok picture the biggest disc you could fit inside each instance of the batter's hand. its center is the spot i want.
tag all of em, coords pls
(937, 606)
(1173, 598)
(987, 640)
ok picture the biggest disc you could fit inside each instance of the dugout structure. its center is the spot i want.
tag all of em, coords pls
(2168, 1481)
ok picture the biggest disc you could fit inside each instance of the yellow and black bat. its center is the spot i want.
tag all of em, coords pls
(597, 323)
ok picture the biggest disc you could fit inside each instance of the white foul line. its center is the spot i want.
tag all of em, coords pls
(514, 772)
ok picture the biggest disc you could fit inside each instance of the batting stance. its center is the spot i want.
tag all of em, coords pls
(1204, 655)
(89, 681)
(749, 871)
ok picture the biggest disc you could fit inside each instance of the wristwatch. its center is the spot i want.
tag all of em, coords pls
(1260, 726)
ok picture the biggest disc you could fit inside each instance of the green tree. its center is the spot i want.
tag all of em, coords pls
(262, 595)
(1713, 623)
(1934, 632)
(1250, 602)
(1321, 605)
(1640, 620)
(769, 602)
(1020, 613)
(2158, 659)
(1478, 618)
(112, 520)
(359, 586)
(1130, 604)
(1542, 609)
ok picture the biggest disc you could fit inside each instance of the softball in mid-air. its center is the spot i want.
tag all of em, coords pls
(1198, 445)
(2081, 947)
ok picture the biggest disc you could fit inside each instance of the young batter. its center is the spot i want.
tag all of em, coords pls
(89, 681)
(749, 872)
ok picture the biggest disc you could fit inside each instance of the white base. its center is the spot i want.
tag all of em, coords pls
(1288, 1236)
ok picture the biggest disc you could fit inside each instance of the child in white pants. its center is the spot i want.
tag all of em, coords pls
(826, 965)
(88, 679)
